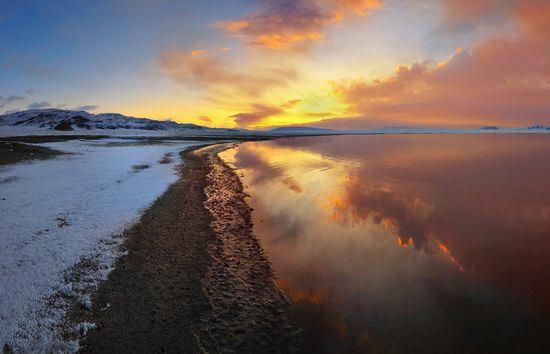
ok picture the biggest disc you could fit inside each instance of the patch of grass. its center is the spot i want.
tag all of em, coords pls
(12, 152)
(138, 168)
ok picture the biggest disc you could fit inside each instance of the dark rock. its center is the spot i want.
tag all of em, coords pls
(64, 126)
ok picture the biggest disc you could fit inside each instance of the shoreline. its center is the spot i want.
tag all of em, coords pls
(195, 278)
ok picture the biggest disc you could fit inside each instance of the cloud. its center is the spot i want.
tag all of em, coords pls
(30, 91)
(500, 81)
(205, 119)
(284, 24)
(261, 112)
(39, 105)
(90, 107)
(359, 7)
(466, 14)
(4, 101)
(290, 104)
(201, 68)
(198, 53)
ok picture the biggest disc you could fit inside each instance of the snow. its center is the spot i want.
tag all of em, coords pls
(59, 212)
(48, 120)
(122, 133)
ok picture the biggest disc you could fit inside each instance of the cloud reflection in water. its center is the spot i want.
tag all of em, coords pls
(334, 213)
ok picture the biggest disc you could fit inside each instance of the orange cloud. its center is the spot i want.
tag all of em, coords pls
(290, 104)
(500, 81)
(205, 119)
(533, 16)
(262, 112)
(467, 13)
(285, 24)
(359, 7)
(198, 53)
(232, 26)
(201, 68)
(292, 184)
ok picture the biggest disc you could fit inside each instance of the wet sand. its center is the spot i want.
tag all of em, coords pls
(195, 278)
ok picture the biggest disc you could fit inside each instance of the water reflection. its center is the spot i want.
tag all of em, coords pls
(407, 243)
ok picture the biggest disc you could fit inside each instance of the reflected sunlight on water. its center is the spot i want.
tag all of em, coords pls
(426, 243)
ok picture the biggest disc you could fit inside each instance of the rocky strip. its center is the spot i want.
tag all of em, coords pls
(195, 278)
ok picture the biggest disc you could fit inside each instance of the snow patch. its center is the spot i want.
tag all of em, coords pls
(60, 231)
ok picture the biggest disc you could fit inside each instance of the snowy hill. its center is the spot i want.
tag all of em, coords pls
(539, 128)
(65, 120)
(58, 121)
(301, 131)
(531, 129)
(428, 130)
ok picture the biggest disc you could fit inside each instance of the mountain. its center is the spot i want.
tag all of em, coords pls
(429, 130)
(66, 120)
(81, 121)
(301, 131)
(530, 129)
(538, 128)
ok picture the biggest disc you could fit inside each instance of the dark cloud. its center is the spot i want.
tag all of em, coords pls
(281, 24)
(90, 107)
(40, 105)
(4, 101)
(284, 24)
(261, 112)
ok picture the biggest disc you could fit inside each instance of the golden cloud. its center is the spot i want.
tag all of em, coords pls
(501, 81)
(289, 24)
(205, 119)
(261, 112)
(201, 68)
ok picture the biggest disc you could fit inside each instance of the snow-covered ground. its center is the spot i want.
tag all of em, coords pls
(123, 133)
(66, 211)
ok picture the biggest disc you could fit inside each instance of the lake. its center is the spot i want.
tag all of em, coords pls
(407, 243)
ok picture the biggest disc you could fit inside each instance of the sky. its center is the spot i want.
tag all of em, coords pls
(343, 64)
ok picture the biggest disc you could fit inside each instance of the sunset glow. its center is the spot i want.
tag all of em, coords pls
(344, 64)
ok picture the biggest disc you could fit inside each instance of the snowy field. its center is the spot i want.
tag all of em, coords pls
(123, 133)
(59, 214)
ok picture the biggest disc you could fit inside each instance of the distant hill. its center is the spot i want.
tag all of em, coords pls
(538, 128)
(301, 131)
(428, 130)
(59, 120)
(66, 120)
(532, 128)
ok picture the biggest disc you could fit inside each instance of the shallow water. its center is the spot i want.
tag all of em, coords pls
(407, 243)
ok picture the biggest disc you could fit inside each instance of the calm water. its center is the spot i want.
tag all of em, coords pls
(407, 243)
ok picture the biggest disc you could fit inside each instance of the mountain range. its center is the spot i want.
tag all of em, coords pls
(82, 121)
(66, 120)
